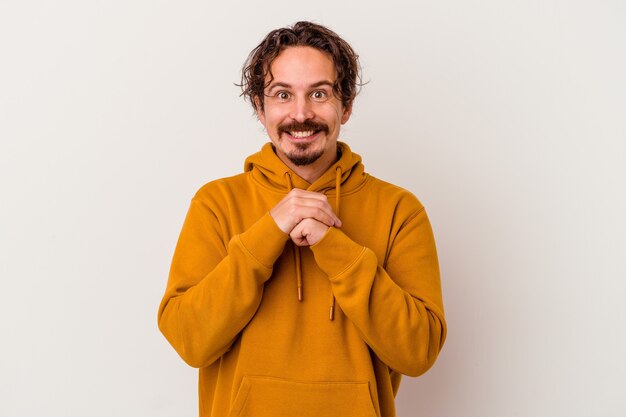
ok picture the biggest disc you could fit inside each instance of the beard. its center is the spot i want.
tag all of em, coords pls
(301, 156)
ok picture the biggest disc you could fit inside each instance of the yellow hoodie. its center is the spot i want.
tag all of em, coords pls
(232, 305)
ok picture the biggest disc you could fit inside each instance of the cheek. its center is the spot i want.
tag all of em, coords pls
(274, 117)
(330, 114)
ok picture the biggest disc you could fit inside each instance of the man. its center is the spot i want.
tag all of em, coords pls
(303, 286)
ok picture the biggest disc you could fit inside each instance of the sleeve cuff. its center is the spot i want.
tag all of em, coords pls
(335, 252)
(264, 241)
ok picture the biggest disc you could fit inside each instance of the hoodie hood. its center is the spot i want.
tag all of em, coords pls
(270, 172)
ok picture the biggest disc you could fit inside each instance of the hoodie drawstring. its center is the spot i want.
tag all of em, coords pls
(296, 249)
(338, 192)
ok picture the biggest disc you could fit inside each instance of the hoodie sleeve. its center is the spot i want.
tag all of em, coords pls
(215, 287)
(398, 309)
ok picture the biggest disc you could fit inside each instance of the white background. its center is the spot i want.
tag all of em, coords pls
(506, 118)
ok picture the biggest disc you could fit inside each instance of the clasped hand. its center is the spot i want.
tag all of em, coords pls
(305, 215)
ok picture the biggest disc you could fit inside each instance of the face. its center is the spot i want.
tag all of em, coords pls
(301, 114)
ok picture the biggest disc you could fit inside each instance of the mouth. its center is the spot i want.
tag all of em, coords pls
(302, 135)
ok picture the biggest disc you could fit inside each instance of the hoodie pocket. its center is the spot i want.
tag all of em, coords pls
(275, 397)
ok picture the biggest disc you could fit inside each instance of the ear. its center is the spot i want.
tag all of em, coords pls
(259, 110)
(347, 112)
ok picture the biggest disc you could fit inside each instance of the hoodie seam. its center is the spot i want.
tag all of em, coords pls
(349, 266)
(264, 186)
(354, 190)
(282, 191)
(250, 254)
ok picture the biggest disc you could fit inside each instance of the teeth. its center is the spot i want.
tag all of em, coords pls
(300, 135)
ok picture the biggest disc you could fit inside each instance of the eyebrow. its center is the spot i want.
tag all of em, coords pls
(314, 85)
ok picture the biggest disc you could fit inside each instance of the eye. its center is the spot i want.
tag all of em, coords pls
(319, 95)
(282, 95)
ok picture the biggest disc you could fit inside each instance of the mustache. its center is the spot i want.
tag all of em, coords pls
(303, 126)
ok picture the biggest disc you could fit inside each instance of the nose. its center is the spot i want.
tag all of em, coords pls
(301, 110)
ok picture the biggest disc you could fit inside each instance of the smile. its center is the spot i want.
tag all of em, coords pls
(302, 134)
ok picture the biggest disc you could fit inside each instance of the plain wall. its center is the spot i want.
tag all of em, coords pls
(505, 118)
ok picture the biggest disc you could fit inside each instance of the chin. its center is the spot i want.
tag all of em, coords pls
(304, 159)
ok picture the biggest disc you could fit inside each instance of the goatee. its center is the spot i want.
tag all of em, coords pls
(300, 158)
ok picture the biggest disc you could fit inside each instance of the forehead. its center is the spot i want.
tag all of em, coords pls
(302, 66)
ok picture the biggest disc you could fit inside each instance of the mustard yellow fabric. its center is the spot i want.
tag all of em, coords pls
(231, 305)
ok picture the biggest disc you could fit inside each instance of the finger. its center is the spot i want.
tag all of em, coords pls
(308, 232)
(320, 204)
(301, 192)
(300, 204)
(319, 214)
(297, 193)
(297, 235)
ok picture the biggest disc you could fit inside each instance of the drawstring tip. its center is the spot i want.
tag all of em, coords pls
(332, 313)
(299, 293)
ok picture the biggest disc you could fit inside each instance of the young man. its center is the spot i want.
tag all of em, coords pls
(303, 286)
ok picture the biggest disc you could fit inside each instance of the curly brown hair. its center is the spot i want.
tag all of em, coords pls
(258, 64)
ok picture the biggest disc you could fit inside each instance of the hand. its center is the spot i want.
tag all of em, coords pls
(299, 205)
(308, 232)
